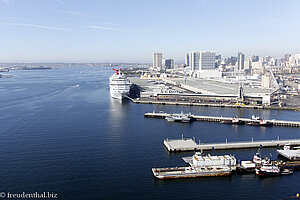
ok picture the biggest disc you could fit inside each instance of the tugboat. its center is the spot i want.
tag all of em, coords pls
(269, 169)
(257, 158)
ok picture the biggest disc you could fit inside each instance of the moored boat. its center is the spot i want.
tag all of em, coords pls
(232, 121)
(269, 169)
(200, 166)
(256, 118)
(265, 123)
(253, 123)
(247, 166)
(119, 85)
(236, 121)
(191, 172)
(182, 117)
(225, 122)
(170, 118)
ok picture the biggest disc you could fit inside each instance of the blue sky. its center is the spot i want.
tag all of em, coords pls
(131, 30)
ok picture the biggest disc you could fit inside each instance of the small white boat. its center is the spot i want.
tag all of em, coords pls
(170, 118)
(256, 118)
(179, 117)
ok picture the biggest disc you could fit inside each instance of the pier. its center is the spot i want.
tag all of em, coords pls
(188, 144)
(219, 119)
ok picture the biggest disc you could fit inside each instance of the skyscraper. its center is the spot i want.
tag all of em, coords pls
(187, 60)
(194, 61)
(207, 60)
(157, 61)
(167, 63)
(254, 58)
(287, 57)
(241, 60)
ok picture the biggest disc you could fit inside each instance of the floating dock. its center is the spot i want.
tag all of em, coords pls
(218, 119)
(188, 144)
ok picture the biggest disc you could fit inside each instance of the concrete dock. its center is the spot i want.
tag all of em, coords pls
(290, 154)
(218, 119)
(188, 144)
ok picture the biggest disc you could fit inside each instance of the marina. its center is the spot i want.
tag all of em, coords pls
(188, 144)
(94, 125)
(221, 119)
(200, 165)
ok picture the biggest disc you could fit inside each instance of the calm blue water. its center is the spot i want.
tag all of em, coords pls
(79, 143)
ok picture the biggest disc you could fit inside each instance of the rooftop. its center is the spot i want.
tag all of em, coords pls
(219, 88)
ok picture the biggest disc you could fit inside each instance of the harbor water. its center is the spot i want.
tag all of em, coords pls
(61, 132)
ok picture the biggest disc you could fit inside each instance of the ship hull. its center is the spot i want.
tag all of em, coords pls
(265, 173)
(118, 95)
(177, 173)
(199, 175)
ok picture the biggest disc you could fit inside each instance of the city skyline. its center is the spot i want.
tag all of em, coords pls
(118, 31)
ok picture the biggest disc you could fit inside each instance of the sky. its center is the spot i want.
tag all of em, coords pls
(131, 30)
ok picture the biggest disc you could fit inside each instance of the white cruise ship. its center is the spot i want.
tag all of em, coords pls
(119, 85)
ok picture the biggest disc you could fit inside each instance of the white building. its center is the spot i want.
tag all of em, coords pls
(266, 81)
(194, 61)
(240, 61)
(203, 65)
(207, 60)
(187, 60)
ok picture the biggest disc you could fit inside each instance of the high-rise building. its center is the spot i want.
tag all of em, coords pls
(207, 60)
(157, 61)
(254, 58)
(167, 63)
(247, 64)
(241, 60)
(231, 60)
(187, 60)
(194, 60)
(287, 57)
